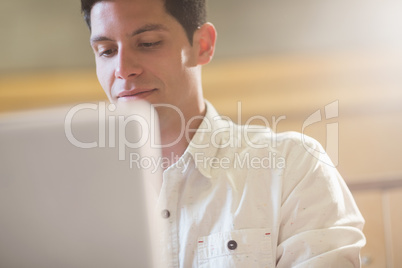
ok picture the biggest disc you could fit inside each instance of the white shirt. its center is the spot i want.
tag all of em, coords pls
(229, 204)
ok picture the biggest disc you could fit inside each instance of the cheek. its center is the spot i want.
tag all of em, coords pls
(105, 76)
(189, 56)
(187, 59)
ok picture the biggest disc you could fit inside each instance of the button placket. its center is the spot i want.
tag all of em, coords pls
(172, 178)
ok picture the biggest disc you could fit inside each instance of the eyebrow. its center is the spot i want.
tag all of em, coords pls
(145, 28)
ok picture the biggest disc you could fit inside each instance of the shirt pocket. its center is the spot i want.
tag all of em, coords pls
(238, 248)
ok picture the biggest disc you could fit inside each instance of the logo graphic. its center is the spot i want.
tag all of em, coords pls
(332, 138)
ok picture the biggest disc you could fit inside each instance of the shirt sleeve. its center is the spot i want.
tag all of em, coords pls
(321, 225)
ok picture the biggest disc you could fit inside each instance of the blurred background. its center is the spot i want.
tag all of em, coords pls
(281, 60)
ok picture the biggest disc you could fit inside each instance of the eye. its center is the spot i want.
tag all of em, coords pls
(150, 44)
(106, 53)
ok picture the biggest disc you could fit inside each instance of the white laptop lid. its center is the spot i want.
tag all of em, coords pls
(65, 206)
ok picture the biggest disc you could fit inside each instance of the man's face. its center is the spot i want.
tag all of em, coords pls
(142, 52)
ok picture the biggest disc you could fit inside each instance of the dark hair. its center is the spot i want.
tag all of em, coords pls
(191, 14)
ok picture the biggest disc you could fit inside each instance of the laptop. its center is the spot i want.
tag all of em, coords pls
(73, 192)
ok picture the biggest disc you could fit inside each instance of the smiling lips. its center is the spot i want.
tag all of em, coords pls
(135, 94)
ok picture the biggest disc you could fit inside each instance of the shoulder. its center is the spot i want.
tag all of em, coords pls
(288, 143)
(300, 154)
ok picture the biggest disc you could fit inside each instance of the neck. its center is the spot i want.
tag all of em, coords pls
(175, 138)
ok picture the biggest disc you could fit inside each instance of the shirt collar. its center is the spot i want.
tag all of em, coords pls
(209, 137)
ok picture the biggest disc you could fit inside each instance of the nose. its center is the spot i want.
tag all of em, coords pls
(128, 65)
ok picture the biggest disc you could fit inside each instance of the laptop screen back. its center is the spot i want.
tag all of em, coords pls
(62, 205)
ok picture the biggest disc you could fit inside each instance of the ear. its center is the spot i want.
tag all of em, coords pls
(205, 38)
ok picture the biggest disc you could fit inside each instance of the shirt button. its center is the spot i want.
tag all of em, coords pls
(232, 245)
(165, 213)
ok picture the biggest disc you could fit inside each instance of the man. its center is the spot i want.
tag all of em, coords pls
(223, 206)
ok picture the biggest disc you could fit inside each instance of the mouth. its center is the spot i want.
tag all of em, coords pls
(135, 94)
